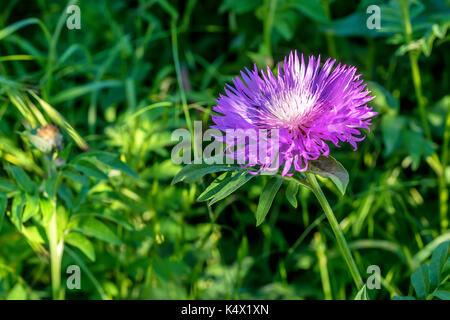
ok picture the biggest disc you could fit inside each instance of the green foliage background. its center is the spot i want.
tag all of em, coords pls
(128, 78)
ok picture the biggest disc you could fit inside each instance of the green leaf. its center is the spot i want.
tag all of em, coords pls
(75, 92)
(47, 210)
(283, 27)
(427, 251)
(438, 260)
(436, 31)
(18, 292)
(16, 26)
(330, 168)
(98, 229)
(403, 298)
(117, 217)
(70, 172)
(66, 151)
(418, 146)
(351, 26)
(89, 169)
(106, 213)
(81, 242)
(362, 294)
(16, 210)
(194, 172)
(238, 180)
(421, 281)
(384, 100)
(6, 186)
(32, 233)
(312, 9)
(114, 162)
(50, 187)
(442, 294)
(22, 179)
(31, 207)
(291, 193)
(110, 159)
(238, 6)
(218, 184)
(266, 198)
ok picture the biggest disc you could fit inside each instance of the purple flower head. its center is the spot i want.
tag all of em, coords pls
(309, 105)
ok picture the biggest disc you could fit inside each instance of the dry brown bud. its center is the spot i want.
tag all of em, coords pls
(51, 135)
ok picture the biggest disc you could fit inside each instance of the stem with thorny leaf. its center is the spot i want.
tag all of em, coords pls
(56, 245)
(56, 249)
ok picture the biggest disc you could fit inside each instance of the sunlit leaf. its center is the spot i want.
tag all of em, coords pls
(237, 180)
(98, 229)
(330, 168)
(81, 242)
(193, 172)
(362, 294)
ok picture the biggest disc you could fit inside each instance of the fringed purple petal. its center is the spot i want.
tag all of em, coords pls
(309, 104)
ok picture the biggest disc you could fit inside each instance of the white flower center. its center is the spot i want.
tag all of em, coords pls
(289, 109)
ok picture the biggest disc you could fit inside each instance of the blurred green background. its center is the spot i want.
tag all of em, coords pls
(121, 84)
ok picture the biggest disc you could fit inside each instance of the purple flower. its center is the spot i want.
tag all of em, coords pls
(308, 105)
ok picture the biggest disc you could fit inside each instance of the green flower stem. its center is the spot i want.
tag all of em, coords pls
(342, 243)
(328, 35)
(270, 7)
(438, 165)
(56, 249)
(443, 190)
(415, 71)
(176, 62)
(56, 246)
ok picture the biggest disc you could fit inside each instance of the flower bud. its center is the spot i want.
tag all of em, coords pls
(51, 135)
